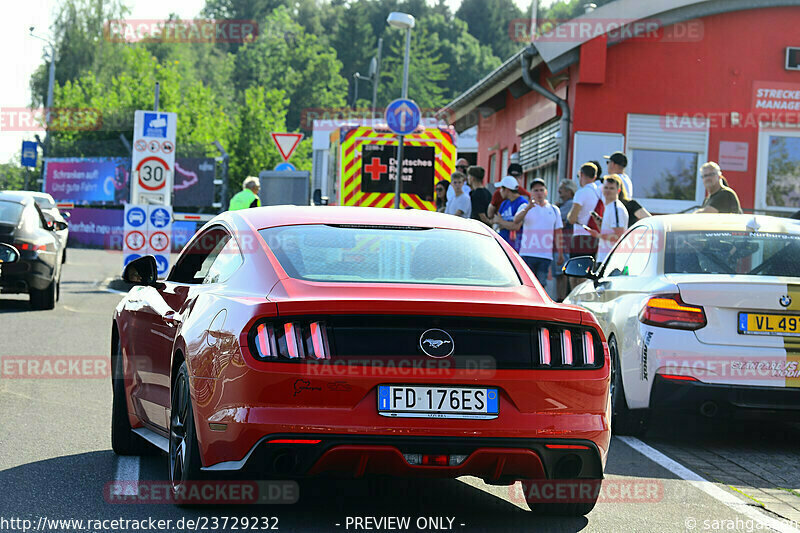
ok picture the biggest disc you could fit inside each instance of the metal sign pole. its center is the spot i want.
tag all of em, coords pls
(398, 186)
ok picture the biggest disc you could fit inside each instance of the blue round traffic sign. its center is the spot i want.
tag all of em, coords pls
(162, 263)
(136, 217)
(159, 217)
(403, 116)
(129, 258)
(285, 166)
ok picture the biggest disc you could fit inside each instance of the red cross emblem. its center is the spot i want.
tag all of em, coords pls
(375, 169)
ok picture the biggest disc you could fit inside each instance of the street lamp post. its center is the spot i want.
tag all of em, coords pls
(51, 75)
(402, 21)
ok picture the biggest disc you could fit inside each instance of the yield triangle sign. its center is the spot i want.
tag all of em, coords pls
(286, 143)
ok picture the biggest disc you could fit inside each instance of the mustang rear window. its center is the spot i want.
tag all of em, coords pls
(375, 254)
(743, 253)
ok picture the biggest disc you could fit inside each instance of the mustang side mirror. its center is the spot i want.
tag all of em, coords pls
(580, 267)
(8, 254)
(142, 271)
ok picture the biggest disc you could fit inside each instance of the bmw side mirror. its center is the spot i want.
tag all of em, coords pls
(8, 254)
(67, 215)
(142, 271)
(580, 267)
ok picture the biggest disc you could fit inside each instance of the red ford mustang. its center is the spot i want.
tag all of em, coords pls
(291, 342)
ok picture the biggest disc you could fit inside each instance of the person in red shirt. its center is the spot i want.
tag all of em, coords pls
(514, 169)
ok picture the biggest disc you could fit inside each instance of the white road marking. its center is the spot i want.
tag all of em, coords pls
(706, 486)
(127, 476)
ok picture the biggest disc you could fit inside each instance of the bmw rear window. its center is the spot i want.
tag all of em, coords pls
(726, 252)
(384, 254)
(10, 212)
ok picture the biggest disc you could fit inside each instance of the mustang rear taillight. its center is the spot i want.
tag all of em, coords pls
(293, 340)
(567, 348)
(669, 311)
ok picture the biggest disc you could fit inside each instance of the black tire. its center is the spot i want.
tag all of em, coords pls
(624, 421)
(123, 440)
(184, 452)
(64, 256)
(44, 299)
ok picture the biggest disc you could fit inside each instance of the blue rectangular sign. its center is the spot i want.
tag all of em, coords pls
(29, 153)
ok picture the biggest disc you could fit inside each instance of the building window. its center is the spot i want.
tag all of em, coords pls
(665, 175)
(664, 159)
(504, 164)
(777, 186)
(492, 165)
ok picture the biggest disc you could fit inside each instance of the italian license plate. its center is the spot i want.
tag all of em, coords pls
(766, 324)
(406, 401)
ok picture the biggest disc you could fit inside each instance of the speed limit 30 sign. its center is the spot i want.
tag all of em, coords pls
(153, 160)
(152, 172)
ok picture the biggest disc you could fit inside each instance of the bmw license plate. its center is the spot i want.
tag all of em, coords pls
(766, 324)
(407, 401)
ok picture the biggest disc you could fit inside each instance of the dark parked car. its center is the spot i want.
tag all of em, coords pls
(38, 271)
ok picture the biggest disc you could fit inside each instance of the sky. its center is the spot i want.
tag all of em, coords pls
(23, 53)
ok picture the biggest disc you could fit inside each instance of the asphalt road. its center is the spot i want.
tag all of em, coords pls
(56, 458)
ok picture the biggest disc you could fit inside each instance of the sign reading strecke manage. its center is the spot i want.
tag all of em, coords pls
(776, 96)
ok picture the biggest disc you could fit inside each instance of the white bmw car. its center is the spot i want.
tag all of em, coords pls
(701, 312)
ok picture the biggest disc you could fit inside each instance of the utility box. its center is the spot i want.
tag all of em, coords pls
(285, 187)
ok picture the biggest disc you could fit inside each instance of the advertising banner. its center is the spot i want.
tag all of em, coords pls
(85, 181)
(194, 182)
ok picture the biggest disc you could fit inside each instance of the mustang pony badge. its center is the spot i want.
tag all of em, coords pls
(436, 343)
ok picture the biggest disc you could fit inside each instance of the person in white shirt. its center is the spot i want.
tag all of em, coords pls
(460, 204)
(461, 166)
(583, 203)
(615, 217)
(542, 231)
(616, 165)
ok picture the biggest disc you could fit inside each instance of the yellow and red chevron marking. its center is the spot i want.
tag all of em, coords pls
(350, 168)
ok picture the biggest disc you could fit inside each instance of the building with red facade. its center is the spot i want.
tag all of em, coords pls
(671, 83)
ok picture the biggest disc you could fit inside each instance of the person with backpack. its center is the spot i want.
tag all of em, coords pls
(614, 221)
(586, 200)
(541, 233)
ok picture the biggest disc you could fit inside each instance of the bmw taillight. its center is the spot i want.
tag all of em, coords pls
(289, 341)
(669, 311)
(567, 348)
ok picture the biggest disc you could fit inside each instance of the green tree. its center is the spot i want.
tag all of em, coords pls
(79, 39)
(262, 111)
(426, 73)
(489, 21)
(290, 59)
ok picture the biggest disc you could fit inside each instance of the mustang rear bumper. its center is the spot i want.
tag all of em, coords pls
(499, 461)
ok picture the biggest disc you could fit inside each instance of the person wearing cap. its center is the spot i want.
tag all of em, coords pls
(513, 202)
(461, 166)
(720, 198)
(514, 170)
(542, 232)
(616, 165)
(248, 196)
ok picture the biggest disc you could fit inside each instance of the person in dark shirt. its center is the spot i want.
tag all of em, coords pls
(479, 195)
(720, 198)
